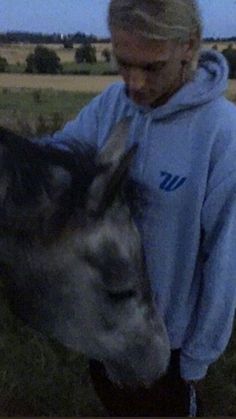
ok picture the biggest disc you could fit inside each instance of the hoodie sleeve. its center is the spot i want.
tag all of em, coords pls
(214, 318)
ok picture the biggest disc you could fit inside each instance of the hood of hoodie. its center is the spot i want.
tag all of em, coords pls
(209, 82)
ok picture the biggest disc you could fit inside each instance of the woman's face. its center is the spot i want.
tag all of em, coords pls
(152, 70)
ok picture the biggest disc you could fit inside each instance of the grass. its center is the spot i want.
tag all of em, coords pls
(69, 83)
(44, 101)
(99, 68)
(219, 388)
(41, 378)
(39, 111)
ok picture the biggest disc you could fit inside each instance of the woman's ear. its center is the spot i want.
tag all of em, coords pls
(189, 48)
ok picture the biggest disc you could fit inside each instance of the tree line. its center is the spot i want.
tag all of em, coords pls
(76, 38)
(55, 38)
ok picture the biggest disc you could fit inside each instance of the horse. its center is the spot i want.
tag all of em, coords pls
(71, 257)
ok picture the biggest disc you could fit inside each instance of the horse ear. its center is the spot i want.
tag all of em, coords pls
(60, 181)
(114, 149)
(113, 163)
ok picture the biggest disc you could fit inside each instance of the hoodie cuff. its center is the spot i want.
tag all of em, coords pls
(192, 369)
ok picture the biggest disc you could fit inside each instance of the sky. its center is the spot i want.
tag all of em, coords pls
(89, 16)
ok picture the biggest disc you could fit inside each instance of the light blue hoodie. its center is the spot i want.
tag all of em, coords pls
(187, 158)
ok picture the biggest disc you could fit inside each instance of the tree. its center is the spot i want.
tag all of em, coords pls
(86, 54)
(106, 53)
(43, 60)
(230, 55)
(3, 64)
(68, 43)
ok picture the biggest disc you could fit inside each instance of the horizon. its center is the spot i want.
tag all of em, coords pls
(93, 35)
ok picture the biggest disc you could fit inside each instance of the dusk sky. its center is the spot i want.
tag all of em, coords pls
(89, 16)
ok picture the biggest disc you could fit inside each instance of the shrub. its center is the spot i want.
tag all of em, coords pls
(57, 121)
(43, 60)
(5, 91)
(48, 125)
(3, 64)
(41, 126)
(68, 44)
(85, 54)
(106, 53)
(230, 55)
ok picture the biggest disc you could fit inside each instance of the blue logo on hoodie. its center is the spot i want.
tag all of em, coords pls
(171, 182)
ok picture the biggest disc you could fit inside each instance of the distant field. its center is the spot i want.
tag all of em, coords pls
(232, 90)
(68, 83)
(17, 53)
(220, 45)
(87, 84)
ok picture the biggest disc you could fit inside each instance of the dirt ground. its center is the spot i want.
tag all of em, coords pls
(69, 83)
(93, 84)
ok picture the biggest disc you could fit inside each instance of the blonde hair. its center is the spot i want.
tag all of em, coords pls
(177, 20)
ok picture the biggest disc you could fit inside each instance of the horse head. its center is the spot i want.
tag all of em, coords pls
(72, 256)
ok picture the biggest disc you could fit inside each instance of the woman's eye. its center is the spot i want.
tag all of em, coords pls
(155, 68)
(124, 66)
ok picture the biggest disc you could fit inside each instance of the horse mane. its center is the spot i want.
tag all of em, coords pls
(27, 167)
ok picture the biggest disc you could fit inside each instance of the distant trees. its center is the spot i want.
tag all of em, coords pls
(3, 64)
(68, 43)
(43, 60)
(40, 38)
(85, 54)
(230, 55)
(106, 54)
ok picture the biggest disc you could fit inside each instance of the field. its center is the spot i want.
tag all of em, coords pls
(71, 83)
(94, 84)
(34, 105)
(220, 45)
(17, 53)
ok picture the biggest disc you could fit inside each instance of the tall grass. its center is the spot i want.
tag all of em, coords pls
(37, 112)
(99, 68)
(39, 377)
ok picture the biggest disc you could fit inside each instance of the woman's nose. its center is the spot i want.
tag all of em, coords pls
(137, 79)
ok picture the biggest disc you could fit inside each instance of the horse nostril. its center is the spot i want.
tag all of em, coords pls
(117, 297)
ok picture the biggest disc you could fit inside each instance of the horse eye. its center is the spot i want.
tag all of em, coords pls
(117, 297)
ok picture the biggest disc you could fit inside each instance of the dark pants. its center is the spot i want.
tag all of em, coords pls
(167, 397)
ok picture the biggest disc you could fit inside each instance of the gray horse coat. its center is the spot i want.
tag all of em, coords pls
(72, 257)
